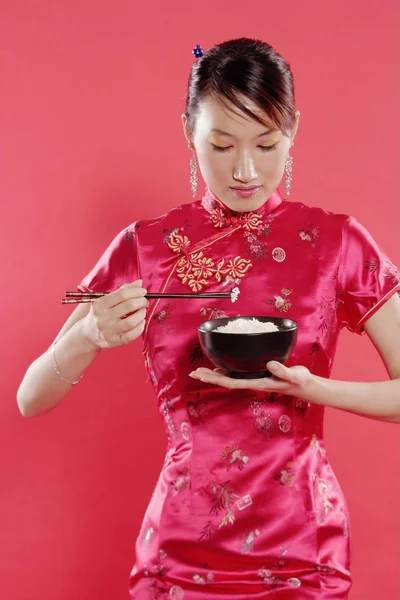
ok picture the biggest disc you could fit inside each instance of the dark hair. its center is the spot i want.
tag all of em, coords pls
(244, 67)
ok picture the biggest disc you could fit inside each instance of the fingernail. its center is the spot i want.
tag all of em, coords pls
(142, 292)
(273, 365)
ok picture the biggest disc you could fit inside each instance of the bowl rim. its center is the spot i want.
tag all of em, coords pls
(292, 328)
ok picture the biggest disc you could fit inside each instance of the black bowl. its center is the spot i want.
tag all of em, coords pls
(245, 355)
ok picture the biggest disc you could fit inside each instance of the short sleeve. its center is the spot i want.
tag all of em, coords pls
(366, 277)
(118, 264)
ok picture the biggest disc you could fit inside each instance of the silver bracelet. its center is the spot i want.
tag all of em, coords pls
(56, 369)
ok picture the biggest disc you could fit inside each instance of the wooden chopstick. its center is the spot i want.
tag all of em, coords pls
(81, 297)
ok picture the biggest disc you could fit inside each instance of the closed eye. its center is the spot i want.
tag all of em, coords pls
(263, 148)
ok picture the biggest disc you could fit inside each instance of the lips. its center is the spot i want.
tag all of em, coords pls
(246, 189)
(246, 192)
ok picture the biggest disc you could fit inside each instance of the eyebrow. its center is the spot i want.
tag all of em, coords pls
(230, 135)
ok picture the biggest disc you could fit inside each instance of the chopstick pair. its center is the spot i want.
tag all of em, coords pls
(82, 297)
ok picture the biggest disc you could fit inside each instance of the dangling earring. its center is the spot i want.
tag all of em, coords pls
(193, 175)
(288, 169)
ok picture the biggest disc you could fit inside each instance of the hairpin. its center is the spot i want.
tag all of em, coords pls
(198, 51)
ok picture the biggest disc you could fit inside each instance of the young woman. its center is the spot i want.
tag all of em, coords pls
(247, 504)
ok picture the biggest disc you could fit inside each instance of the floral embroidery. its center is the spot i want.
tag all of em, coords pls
(197, 410)
(249, 220)
(202, 580)
(321, 491)
(272, 396)
(280, 563)
(173, 230)
(129, 235)
(315, 347)
(281, 303)
(329, 568)
(160, 589)
(256, 243)
(301, 407)
(163, 314)
(263, 421)
(147, 537)
(269, 580)
(150, 369)
(235, 457)
(391, 270)
(196, 353)
(286, 476)
(223, 500)
(316, 446)
(182, 482)
(249, 539)
(195, 269)
(166, 407)
(309, 235)
(328, 316)
(208, 531)
(213, 312)
(272, 582)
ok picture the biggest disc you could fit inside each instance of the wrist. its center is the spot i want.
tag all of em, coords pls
(314, 389)
(83, 338)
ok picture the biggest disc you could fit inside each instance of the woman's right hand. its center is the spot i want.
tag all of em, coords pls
(107, 326)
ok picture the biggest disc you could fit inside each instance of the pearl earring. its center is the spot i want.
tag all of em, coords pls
(288, 169)
(193, 175)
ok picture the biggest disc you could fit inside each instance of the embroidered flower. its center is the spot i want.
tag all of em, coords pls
(196, 270)
(248, 544)
(237, 267)
(178, 243)
(310, 235)
(235, 457)
(321, 491)
(281, 303)
(286, 476)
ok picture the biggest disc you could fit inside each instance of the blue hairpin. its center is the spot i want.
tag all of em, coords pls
(198, 51)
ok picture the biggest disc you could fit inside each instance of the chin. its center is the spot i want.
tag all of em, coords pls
(245, 204)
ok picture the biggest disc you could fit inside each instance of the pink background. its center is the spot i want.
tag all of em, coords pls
(91, 139)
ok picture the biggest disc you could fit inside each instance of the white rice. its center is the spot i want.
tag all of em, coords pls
(247, 326)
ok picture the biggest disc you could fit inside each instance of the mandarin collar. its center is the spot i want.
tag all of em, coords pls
(222, 216)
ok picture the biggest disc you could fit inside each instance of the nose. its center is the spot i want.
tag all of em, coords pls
(245, 170)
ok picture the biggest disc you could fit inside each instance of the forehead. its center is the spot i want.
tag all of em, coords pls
(224, 116)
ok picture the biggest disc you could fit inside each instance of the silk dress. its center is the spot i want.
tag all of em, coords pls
(246, 504)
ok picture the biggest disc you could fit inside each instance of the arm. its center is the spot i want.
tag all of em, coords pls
(89, 329)
(376, 400)
(41, 389)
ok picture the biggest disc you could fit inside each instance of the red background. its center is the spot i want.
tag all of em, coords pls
(91, 139)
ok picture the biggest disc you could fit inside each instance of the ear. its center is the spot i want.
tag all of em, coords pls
(296, 126)
(187, 132)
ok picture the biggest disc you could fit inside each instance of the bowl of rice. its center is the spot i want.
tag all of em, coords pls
(242, 346)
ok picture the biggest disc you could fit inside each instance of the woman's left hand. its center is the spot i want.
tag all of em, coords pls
(286, 380)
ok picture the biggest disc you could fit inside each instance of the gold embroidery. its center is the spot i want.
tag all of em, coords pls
(249, 220)
(195, 269)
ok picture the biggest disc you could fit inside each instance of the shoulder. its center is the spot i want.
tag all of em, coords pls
(316, 213)
(177, 218)
(306, 217)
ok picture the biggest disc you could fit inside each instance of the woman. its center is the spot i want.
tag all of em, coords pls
(246, 505)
